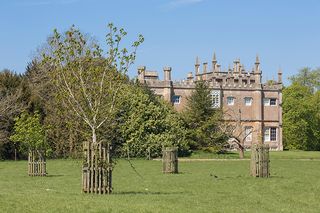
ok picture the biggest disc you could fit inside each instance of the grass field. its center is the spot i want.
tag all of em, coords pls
(294, 186)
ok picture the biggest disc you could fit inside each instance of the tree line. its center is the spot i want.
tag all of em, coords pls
(72, 92)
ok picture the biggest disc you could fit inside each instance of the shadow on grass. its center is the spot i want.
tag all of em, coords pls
(272, 176)
(146, 193)
(50, 176)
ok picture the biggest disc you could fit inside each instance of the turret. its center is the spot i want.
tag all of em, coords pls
(214, 62)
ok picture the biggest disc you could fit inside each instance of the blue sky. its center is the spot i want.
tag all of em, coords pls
(285, 33)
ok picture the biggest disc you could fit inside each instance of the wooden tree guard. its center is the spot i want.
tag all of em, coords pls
(36, 164)
(170, 160)
(97, 169)
(260, 160)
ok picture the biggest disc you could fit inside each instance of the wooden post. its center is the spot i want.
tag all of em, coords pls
(170, 160)
(260, 162)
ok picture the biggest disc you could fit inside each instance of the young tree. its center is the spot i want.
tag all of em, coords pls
(29, 132)
(88, 82)
(236, 131)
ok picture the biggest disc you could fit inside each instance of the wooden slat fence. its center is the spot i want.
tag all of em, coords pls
(170, 160)
(260, 163)
(36, 164)
(97, 169)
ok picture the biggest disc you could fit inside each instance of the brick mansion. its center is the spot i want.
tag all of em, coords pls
(239, 92)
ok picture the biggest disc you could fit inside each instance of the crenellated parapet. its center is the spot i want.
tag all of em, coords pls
(235, 77)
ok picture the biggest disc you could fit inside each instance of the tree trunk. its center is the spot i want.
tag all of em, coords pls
(241, 152)
(15, 154)
(94, 136)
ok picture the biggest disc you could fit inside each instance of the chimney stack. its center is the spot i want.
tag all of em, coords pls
(205, 64)
(141, 73)
(167, 73)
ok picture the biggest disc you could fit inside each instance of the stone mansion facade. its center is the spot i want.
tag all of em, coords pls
(256, 106)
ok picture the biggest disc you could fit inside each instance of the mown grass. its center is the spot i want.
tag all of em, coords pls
(274, 155)
(294, 186)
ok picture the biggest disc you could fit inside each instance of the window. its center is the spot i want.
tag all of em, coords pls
(176, 99)
(273, 101)
(270, 101)
(248, 101)
(270, 134)
(273, 134)
(230, 101)
(215, 94)
(248, 133)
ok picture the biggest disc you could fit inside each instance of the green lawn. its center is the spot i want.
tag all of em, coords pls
(293, 187)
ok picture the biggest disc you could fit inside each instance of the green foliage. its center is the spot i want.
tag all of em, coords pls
(308, 77)
(301, 118)
(202, 120)
(87, 82)
(149, 123)
(29, 131)
(13, 99)
(199, 106)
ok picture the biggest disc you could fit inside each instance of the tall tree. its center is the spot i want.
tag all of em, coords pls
(13, 99)
(298, 115)
(307, 77)
(203, 120)
(148, 123)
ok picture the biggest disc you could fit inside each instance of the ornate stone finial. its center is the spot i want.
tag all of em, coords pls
(196, 66)
(214, 58)
(197, 61)
(257, 59)
(280, 75)
(214, 62)
(257, 65)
